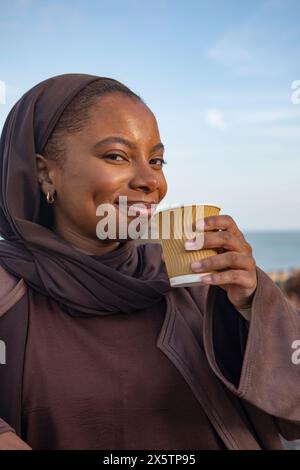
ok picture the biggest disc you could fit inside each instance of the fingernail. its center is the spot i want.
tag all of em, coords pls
(200, 225)
(190, 245)
(206, 279)
(197, 265)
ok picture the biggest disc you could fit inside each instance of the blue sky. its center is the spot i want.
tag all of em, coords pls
(217, 75)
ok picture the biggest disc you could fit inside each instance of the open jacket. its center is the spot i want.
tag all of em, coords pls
(230, 364)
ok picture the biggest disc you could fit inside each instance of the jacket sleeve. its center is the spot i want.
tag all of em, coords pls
(4, 427)
(13, 334)
(259, 360)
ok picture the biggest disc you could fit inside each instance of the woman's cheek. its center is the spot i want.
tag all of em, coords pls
(163, 188)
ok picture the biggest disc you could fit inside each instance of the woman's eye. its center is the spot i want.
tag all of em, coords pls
(159, 161)
(115, 157)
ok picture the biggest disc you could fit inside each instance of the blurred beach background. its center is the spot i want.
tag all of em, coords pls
(222, 78)
(276, 252)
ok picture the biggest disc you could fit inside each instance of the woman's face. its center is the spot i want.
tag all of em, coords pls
(119, 153)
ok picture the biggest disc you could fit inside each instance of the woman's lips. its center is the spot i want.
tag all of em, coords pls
(136, 209)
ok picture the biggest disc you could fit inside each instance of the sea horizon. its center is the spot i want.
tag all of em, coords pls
(275, 250)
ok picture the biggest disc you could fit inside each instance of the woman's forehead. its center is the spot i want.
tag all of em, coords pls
(119, 104)
(117, 115)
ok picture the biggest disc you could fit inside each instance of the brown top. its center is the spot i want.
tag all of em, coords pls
(101, 383)
(243, 378)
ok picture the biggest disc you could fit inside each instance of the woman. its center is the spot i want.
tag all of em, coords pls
(100, 352)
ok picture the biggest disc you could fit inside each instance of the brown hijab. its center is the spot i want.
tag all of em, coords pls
(127, 279)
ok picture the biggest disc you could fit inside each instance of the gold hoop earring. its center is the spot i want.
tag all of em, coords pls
(50, 198)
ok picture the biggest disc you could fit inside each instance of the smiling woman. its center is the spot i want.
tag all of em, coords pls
(105, 145)
(100, 352)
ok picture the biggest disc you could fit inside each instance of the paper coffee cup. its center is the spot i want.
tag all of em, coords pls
(174, 226)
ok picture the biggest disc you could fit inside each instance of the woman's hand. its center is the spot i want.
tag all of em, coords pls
(10, 441)
(235, 262)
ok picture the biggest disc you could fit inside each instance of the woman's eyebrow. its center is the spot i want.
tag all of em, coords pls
(128, 143)
(158, 146)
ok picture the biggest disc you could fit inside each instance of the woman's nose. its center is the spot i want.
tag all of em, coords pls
(145, 180)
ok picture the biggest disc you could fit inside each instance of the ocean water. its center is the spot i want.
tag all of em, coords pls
(274, 251)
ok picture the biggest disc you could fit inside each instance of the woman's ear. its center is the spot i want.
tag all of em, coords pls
(45, 173)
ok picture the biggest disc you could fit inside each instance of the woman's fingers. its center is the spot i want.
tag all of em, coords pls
(218, 222)
(234, 263)
(237, 277)
(222, 239)
(227, 260)
(221, 232)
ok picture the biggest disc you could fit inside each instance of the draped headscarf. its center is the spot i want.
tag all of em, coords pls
(127, 279)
